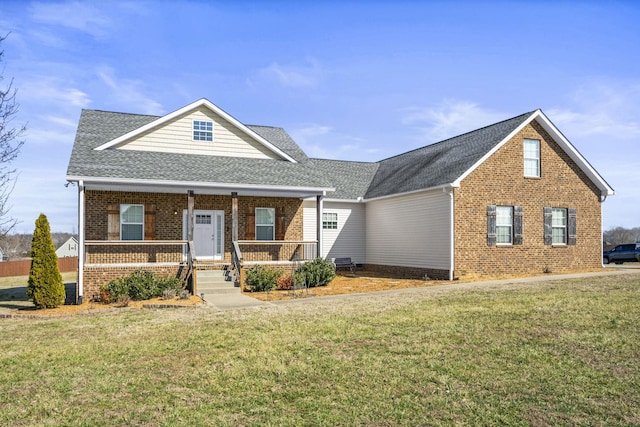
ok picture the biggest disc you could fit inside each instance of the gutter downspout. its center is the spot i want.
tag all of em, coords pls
(602, 200)
(451, 241)
(319, 209)
(81, 210)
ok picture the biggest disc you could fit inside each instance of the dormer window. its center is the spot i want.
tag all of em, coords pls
(532, 158)
(202, 130)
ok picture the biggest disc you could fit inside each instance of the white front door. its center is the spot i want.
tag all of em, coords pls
(208, 234)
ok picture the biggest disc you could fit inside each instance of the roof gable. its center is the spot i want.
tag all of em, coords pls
(241, 140)
(438, 164)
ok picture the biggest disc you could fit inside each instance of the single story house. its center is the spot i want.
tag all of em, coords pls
(197, 187)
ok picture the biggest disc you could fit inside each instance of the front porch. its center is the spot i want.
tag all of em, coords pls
(185, 232)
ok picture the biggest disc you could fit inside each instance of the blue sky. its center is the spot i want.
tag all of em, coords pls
(348, 80)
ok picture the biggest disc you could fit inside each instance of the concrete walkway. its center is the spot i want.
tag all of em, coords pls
(235, 301)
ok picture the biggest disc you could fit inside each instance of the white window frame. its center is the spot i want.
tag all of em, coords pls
(531, 158)
(273, 225)
(504, 221)
(329, 220)
(203, 130)
(123, 208)
(555, 216)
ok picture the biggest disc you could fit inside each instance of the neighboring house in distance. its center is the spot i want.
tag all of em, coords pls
(3, 257)
(68, 248)
(513, 197)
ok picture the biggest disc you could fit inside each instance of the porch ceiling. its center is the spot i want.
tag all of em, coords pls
(204, 188)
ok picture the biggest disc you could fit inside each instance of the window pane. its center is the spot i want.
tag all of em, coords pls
(503, 234)
(559, 224)
(132, 214)
(559, 236)
(504, 224)
(265, 216)
(532, 157)
(264, 232)
(132, 232)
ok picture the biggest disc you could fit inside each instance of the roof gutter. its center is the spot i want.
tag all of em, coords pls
(192, 184)
(422, 190)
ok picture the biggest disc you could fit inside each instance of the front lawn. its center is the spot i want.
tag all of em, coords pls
(563, 352)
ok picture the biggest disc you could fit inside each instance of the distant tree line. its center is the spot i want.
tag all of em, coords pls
(621, 235)
(19, 245)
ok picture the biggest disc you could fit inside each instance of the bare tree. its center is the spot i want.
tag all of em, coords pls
(10, 144)
(621, 235)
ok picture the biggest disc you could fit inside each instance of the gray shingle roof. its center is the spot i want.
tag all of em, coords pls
(98, 127)
(350, 179)
(438, 164)
(430, 166)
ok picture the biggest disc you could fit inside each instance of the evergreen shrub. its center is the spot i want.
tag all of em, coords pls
(139, 285)
(261, 278)
(45, 286)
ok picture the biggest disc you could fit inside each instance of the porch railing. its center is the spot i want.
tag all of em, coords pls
(137, 252)
(276, 251)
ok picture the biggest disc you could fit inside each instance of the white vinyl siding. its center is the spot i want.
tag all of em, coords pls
(410, 231)
(348, 239)
(177, 135)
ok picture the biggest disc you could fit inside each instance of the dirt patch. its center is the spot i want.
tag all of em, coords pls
(97, 307)
(366, 281)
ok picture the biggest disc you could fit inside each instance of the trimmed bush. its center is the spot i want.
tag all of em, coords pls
(139, 285)
(317, 272)
(45, 286)
(261, 278)
(285, 282)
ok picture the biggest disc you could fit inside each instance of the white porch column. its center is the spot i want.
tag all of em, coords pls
(81, 209)
(319, 205)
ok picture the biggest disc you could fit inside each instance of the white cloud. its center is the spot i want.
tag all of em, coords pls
(293, 76)
(53, 90)
(81, 16)
(129, 93)
(601, 108)
(448, 119)
(323, 142)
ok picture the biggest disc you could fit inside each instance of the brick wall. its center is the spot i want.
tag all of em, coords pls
(94, 277)
(500, 181)
(169, 226)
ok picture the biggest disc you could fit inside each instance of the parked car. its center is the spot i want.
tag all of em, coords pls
(622, 253)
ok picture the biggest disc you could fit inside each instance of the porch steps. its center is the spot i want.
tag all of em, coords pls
(211, 282)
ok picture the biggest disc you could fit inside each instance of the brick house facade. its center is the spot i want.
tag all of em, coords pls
(500, 180)
(466, 206)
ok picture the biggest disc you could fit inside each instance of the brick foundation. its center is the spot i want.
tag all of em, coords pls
(408, 272)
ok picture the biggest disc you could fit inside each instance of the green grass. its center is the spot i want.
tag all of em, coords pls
(553, 353)
(13, 290)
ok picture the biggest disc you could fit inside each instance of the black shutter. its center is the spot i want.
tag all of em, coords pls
(548, 231)
(491, 225)
(571, 226)
(517, 225)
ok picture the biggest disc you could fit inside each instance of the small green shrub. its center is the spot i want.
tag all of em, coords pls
(139, 285)
(45, 287)
(317, 272)
(261, 278)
